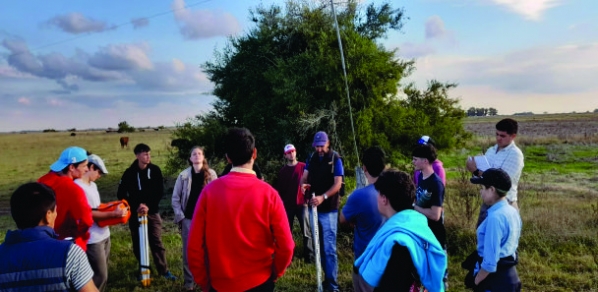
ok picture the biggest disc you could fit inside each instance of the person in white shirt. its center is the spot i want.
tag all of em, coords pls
(98, 246)
(504, 155)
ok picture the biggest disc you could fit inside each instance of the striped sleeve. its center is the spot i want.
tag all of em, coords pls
(78, 271)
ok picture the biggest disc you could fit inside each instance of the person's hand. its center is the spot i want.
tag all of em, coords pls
(118, 212)
(317, 200)
(470, 164)
(142, 209)
(304, 188)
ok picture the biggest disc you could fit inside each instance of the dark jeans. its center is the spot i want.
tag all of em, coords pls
(154, 230)
(97, 255)
(268, 286)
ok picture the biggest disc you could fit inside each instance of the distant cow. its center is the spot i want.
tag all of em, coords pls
(124, 142)
(73, 134)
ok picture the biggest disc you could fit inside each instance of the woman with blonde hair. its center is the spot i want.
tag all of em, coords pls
(185, 195)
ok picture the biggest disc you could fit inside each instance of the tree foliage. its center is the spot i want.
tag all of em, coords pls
(124, 127)
(283, 80)
(481, 112)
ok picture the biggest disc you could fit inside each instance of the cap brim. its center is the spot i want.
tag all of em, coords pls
(58, 166)
(477, 180)
(319, 144)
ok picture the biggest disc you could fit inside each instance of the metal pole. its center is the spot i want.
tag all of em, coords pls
(340, 45)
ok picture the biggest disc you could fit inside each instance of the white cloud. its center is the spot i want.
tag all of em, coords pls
(435, 28)
(530, 9)
(537, 79)
(415, 50)
(121, 64)
(198, 24)
(24, 101)
(122, 57)
(178, 65)
(77, 23)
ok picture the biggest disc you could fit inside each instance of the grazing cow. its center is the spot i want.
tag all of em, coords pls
(124, 141)
(73, 134)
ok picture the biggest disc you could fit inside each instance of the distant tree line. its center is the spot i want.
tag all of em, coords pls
(523, 114)
(481, 112)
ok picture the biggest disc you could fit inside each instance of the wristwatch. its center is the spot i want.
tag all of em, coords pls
(325, 196)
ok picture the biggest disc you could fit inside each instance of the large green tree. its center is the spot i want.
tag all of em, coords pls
(284, 81)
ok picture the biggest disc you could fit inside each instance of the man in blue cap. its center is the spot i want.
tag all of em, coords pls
(323, 176)
(74, 213)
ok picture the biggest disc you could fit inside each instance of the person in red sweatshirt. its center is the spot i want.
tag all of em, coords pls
(239, 238)
(74, 213)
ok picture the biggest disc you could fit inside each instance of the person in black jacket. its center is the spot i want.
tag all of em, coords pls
(142, 185)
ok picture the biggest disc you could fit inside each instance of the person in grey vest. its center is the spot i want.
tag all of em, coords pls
(33, 259)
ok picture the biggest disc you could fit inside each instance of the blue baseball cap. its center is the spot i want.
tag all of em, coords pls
(320, 139)
(69, 156)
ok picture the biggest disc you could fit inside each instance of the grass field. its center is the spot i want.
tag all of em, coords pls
(558, 200)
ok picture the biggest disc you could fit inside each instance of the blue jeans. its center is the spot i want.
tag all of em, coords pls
(328, 223)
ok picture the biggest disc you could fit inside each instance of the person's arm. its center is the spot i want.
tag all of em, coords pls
(196, 253)
(439, 170)
(513, 164)
(177, 207)
(303, 182)
(78, 271)
(99, 215)
(332, 191)
(491, 252)
(160, 185)
(482, 274)
(81, 212)
(349, 211)
(283, 238)
(89, 287)
(432, 213)
(122, 192)
(470, 164)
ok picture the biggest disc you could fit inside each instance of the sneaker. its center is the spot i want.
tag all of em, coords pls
(169, 276)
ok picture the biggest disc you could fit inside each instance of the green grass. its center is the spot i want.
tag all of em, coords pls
(559, 243)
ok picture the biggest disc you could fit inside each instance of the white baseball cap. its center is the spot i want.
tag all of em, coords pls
(97, 161)
(289, 148)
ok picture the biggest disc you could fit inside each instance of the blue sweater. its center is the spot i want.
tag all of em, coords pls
(33, 260)
(408, 228)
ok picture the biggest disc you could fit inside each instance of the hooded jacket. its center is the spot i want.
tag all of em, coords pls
(142, 186)
(408, 228)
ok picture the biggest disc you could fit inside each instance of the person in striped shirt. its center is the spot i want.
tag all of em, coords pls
(33, 259)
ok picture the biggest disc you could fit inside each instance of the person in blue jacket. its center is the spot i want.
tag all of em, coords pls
(404, 254)
(32, 257)
(497, 236)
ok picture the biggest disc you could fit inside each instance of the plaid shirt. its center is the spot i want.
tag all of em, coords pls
(509, 159)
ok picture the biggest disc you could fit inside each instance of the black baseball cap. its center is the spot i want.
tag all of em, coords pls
(494, 177)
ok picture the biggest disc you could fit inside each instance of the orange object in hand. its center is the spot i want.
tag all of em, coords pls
(110, 207)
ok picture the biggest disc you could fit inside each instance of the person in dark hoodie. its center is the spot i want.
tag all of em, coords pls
(142, 185)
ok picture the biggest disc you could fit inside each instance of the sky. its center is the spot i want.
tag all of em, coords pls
(93, 64)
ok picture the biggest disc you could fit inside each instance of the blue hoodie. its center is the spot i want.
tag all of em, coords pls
(408, 228)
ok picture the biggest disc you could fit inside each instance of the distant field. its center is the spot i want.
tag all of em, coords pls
(558, 197)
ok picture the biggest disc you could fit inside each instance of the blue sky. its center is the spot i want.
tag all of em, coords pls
(87, 64)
